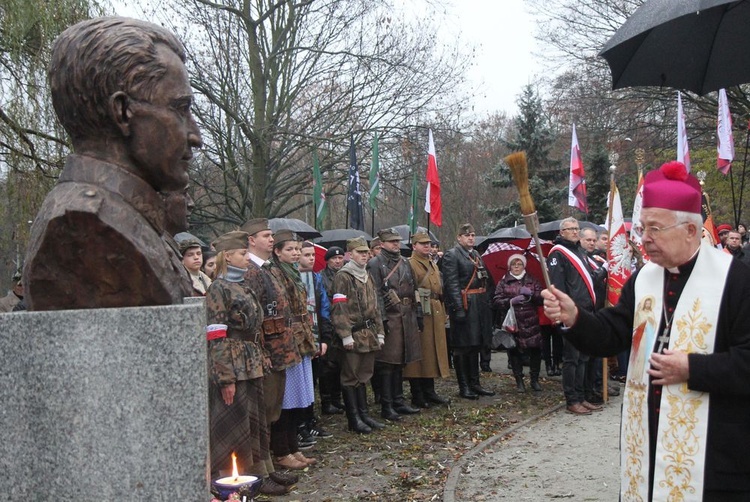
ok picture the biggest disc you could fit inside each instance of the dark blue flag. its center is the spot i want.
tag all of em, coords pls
(354, 197)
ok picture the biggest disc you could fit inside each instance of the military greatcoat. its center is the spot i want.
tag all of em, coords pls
(434, 363)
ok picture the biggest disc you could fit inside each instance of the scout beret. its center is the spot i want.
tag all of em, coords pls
(237, 239)
(466, 228)
(284, 235)
(420, 237)
(388, 234)
(333, 251)
(357, 244)
(255, 225)
(188, 244)
(375, 243)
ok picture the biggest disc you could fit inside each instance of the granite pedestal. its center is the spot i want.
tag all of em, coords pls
(104, 404)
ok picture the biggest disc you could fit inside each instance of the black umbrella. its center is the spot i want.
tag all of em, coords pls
(300, 227)
(338, 237)
(696, 45)
(502, 235)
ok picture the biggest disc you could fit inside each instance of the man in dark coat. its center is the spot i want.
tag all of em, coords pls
(686, 408)
(396, 289)
(734, 247)
(468, 298)
(570, 271)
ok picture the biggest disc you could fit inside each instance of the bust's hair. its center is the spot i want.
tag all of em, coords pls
(96, 58)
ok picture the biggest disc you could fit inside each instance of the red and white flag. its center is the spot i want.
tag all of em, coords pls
(619, 254)
(683, 152)
(636, 218)
(577, 186)
(724, 137)
(433, 204)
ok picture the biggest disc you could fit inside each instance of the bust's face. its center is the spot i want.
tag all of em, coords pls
(163, 131)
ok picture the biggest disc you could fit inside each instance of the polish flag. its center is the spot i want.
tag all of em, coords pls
(724, 137)
(433, 204)
(619, 254)
(577, 186)
(683, 152)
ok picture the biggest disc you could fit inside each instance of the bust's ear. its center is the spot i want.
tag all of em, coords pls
(119, 110)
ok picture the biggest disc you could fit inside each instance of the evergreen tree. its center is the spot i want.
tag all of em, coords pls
(532, 134)
(597, 183)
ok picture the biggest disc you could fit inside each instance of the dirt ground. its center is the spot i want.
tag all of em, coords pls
(411, 459)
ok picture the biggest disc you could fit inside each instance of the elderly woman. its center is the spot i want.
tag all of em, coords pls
(237, 416)
(521, 291)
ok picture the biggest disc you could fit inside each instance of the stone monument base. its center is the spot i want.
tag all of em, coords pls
(104, 404)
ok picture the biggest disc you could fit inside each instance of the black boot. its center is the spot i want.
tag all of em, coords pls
(330, 392)
(386, 397)
(376, 383)
(514, 359)
(428, 389)
(417, 393)
(352, 413)
(548, 368)
(399, 403)
(520, 386)
(473, 367)
(327, 407)
(463, 378)
(535, 383)
(362, 409)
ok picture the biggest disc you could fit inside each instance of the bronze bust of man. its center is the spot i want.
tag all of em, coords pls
(121, 90)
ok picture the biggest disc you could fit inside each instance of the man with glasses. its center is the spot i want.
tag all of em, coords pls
(120, 89)
(570, 272)
(469, 304)
(686, 408)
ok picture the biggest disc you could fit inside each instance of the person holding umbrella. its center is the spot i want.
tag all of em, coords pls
(523, 293)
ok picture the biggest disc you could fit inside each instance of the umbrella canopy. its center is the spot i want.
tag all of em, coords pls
(339, 236)
(696, 45)
(300, 227)
(551, 229)
(497, 254)
(503, 235)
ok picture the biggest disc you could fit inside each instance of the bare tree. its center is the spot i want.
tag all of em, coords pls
(277, 79)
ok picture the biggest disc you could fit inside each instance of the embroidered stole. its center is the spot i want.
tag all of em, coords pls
(582, 269)
(683, 419)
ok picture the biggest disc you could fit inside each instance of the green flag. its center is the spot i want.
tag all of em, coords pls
(319, 196)
(413, 206)
(374, 176)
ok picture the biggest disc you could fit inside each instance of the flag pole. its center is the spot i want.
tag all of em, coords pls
(605, 364)
(738, 212)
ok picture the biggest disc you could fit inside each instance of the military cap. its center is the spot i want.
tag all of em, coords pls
(375, 243)
(420, 237)
(466, 228)
(388, 234)
(188, 244)
(357, 244)
(255, 225)
(236, 239)
(284, 235)
(333, 251)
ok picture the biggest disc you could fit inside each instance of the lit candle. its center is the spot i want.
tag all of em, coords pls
(247, 486)
(235, 479)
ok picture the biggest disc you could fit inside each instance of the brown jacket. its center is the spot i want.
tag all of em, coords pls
(402, 344)
(355, 313)
(434, 363)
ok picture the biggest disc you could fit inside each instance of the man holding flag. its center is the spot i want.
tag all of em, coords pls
(686, 409)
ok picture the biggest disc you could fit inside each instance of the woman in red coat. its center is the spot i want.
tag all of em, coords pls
(524, 293)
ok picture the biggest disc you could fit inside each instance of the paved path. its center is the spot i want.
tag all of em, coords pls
(557, 456)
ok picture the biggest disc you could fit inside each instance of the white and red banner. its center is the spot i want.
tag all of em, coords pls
(433, 204)
(724, 137)
(577, 186)
(636, 218)
(619, 254)
(683, 152)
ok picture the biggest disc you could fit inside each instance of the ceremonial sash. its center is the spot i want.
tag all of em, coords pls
(683, 419)
(583, 271)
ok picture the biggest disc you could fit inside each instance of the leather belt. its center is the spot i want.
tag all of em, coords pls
(435, 296)
(475, 291)
(408, 300)
(368, 323)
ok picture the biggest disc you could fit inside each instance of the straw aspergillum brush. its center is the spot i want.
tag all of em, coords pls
(518, 168)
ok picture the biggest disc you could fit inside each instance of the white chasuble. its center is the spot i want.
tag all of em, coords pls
(683, 419)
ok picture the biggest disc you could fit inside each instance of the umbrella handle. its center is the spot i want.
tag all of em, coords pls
(532, 226)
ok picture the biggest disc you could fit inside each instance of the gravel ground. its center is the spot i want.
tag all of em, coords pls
(558, 456)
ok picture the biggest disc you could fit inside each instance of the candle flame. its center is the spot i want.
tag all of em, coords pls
(235, 472)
